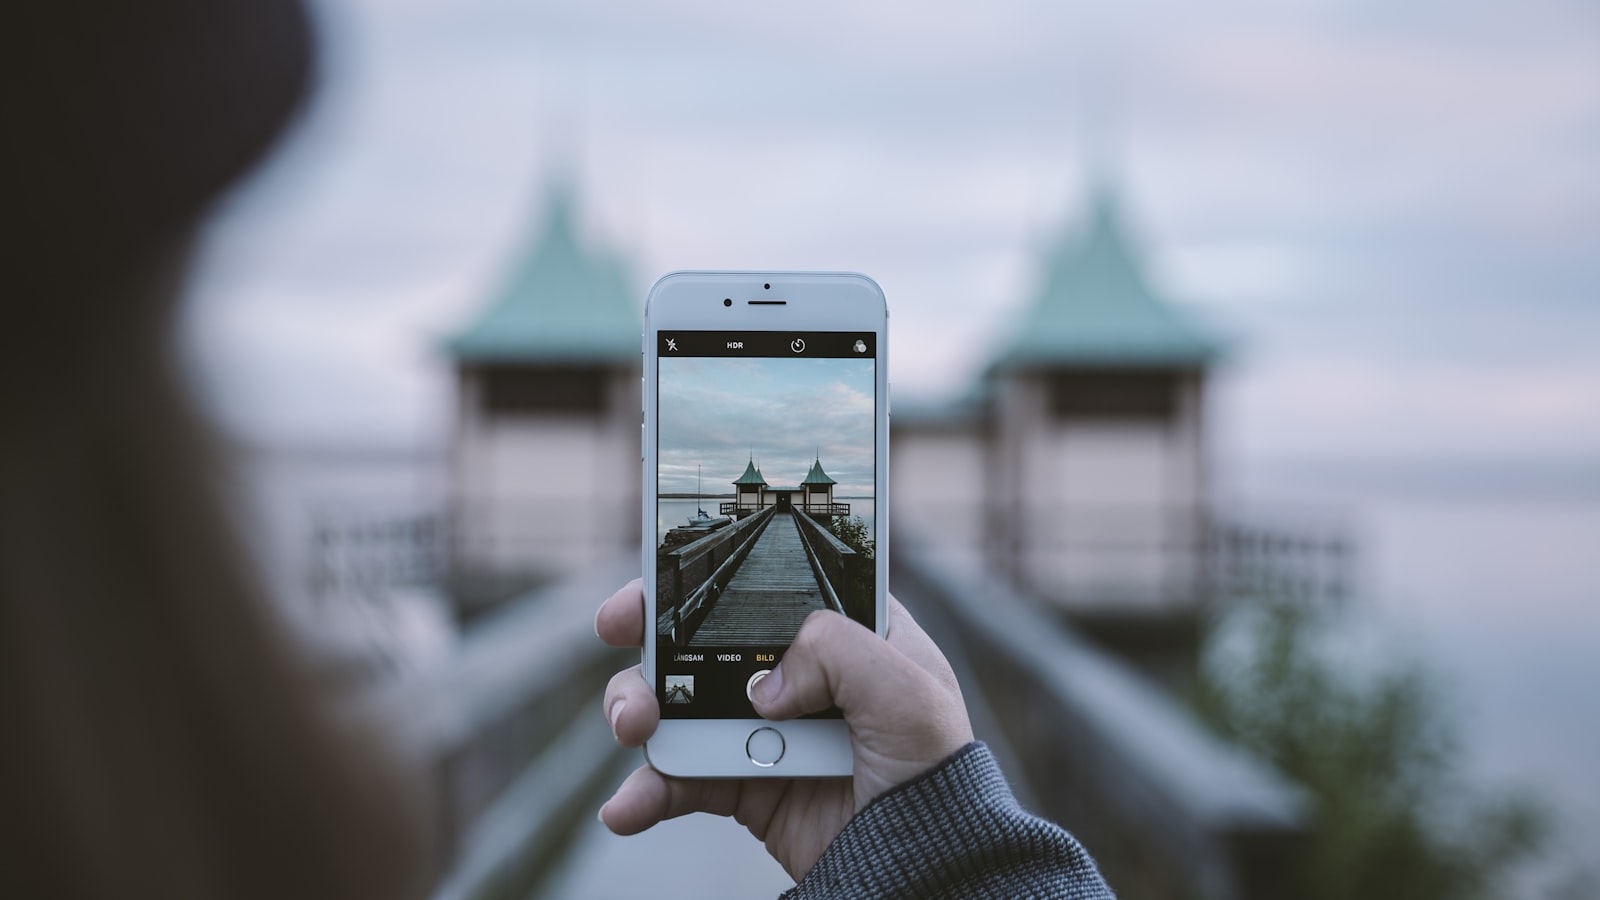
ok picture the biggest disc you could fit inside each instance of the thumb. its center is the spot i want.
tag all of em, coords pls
(833, 661)
(903, 719)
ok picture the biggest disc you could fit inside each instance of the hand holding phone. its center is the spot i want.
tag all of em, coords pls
(899, 700)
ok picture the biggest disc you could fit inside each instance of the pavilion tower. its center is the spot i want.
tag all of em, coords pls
(1078, 466)
(749, 487)
(545, 472)
(1095, 480)
(818, 488)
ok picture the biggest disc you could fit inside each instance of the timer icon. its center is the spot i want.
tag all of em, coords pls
(797, 345)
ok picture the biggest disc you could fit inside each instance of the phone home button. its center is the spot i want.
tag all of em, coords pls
(765, 747)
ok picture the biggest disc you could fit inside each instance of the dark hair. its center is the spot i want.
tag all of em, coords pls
(165, 737)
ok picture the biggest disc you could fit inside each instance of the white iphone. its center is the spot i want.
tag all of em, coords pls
(766, 432)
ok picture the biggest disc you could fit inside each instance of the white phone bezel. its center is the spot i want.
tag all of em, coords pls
(816, 301)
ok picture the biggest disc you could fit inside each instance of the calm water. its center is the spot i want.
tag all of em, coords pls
(1497, 593)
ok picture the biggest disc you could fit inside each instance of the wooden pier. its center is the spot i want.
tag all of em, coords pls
(770, 595)
(755, 582)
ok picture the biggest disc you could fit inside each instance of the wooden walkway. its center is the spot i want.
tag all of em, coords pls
(771, 594)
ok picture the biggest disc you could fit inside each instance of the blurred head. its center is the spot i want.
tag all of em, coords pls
(164, 738)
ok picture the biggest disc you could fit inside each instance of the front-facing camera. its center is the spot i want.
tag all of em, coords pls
(727, 301)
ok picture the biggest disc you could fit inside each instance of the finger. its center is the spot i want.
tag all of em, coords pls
(620, 621)
(631, 708)
(908, 637)
(902, 717)
(647, 797)
(836, 662)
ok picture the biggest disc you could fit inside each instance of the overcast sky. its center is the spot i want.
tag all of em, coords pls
(1391, 210)
(718, 411)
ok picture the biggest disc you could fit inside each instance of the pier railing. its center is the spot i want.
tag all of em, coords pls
(837, 567)
(1293, 561)
(690, 576)
(733, 508)
(510, 730)
(1152, 559)
(1168, 808)
(823, 509)
(363, 555)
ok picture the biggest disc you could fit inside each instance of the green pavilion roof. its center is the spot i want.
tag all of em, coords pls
(562, 303)
(1096, 309)
(817, 476)
(752, 475)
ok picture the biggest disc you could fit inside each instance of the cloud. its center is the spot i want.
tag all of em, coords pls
(716, 413)
(1369, 186)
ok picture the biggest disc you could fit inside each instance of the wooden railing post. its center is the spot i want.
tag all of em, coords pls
(833, 560)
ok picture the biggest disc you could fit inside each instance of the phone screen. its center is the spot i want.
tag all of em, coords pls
(766, 506)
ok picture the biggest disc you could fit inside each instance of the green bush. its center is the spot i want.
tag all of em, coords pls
(1394, 817)
(855, 534)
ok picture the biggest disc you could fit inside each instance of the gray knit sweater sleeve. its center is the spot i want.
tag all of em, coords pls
(955, 832)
